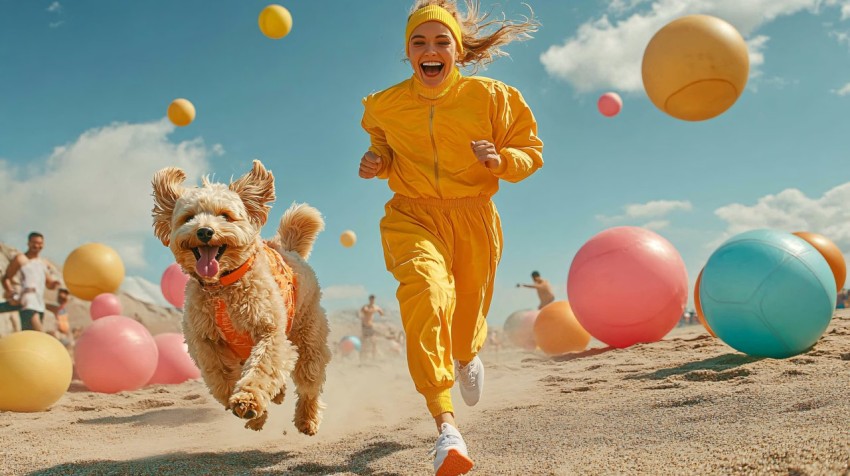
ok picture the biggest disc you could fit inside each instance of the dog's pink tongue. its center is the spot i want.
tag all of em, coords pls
(207, 265)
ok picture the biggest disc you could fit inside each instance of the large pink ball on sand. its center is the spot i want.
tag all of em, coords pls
(628, 285)
(609, 104)
(174, 364)
(105, 304)
(115, 354)
(173, 285)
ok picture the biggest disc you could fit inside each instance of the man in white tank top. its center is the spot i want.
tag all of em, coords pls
(35, 275)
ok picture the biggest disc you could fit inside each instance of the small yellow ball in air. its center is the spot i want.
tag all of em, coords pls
(348, 238)
(275, 22)
(181, 112)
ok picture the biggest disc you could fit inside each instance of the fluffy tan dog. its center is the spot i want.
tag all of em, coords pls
(245, 293)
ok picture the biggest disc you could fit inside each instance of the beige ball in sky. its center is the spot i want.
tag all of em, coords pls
(348, 238)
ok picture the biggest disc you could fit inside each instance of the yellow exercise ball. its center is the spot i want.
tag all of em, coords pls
(35, 371)
(695, 67)
(93, 269)
(557, 331)
(181, 112)
(348, 238)
(275, 22)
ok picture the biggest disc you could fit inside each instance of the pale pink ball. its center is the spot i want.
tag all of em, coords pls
(173, 285)
(114, 354)
(609, 104)
(519, 328)
(105, 304)
(627, 285)
(174, 364)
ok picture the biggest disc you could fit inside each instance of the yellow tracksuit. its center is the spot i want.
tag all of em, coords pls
(441, 234)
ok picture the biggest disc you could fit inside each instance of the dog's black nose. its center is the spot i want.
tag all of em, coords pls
(205, 234)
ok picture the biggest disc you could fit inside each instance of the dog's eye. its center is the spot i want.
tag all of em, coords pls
(226, 217)
(188, 218)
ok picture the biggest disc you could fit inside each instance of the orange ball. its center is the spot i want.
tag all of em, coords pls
(275, 21)
(181, 112)
(348, 238)
(695, 67)
(700, 315)
(557, 331)
(830, 252)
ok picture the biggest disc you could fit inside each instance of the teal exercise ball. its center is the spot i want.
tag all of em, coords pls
(767, 293)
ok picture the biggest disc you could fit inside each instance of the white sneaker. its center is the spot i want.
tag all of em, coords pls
(451, 458)
(471, 379)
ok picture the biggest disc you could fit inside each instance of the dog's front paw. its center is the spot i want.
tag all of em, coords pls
(257, 423)
(245, 405)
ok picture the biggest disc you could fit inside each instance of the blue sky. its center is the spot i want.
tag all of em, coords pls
(84, 87)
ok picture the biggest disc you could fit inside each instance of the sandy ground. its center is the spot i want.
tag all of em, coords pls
(685, 405)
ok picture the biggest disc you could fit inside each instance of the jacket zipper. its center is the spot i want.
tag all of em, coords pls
(434, 147)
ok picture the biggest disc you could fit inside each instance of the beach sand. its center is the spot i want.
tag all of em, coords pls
(686, 405)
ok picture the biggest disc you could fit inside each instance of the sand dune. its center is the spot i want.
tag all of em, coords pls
(685, 405)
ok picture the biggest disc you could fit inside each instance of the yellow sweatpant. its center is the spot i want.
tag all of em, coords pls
(444, 254)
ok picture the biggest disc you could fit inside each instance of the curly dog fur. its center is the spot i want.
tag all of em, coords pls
(212, 231)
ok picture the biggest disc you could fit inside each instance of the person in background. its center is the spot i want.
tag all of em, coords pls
(544, 289)
(35, 274)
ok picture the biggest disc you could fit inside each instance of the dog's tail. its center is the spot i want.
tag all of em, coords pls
(298, 229)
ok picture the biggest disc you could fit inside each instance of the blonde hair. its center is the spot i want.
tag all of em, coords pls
(479, 47)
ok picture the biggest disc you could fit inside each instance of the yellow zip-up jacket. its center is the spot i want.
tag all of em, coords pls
(423, 136)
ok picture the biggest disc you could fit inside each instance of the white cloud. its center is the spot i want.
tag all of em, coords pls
(656, 208)
(791, 210)
(56, 24)
(656, 224)
(842, 37)
(654, 211)
(607, 54)
(344, 291)
(95, 189)
(54, 7)
(843, 90)
(845, 10)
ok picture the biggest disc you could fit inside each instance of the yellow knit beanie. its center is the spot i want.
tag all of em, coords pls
(433, 13)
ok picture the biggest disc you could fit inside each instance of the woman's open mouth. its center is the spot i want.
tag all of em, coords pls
(431, 69)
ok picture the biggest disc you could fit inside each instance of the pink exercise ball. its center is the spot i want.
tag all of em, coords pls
(519, 327)
(609, 104)
(174, 364)
(627, 285)
(349, 344)
(105, 304)
(115, 353)
(173, 284)
(346, 347)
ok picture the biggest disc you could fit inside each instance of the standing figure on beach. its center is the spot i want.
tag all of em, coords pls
(544, 289)
(63, 326)
(35, 275)
(444, 141)
(368, 341)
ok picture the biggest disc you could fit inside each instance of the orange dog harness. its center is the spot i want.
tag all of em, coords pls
(241, 343)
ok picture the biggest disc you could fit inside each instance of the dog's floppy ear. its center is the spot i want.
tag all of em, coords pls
(256, 189)
(166, 191)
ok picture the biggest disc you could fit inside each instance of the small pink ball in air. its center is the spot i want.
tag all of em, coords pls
(609, 104)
